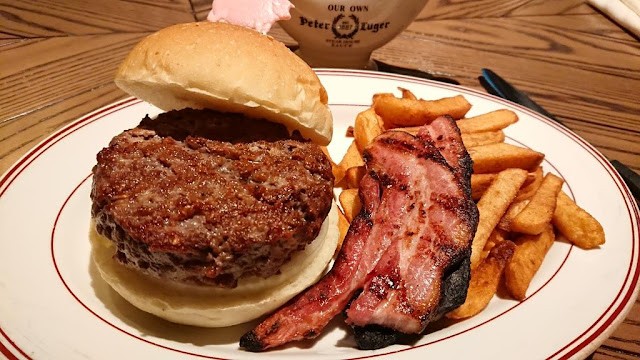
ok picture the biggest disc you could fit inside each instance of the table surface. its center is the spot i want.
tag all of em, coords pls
(58, 58)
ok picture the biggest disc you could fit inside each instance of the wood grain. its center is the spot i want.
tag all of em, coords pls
(563, 54)
(40, 94)
(47, 18)
(450, 9)
(57, 60)
(73, 65)
(201, 8)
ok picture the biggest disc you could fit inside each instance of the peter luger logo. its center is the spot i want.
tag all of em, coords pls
(344, 27)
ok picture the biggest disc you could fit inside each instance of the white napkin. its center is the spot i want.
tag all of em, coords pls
(624, 12)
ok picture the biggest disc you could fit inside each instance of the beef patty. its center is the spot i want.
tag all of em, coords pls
(195, 197)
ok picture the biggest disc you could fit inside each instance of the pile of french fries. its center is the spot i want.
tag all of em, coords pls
(522, 209)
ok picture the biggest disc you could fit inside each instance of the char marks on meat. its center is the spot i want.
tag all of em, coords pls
(193, 198)
(404, 290)
(404, 261)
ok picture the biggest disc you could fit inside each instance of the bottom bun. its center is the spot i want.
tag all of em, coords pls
(217, 307)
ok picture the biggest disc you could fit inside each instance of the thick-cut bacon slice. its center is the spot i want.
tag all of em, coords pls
(445, 135)
(405, 290)
(369, 235)
(402, 171)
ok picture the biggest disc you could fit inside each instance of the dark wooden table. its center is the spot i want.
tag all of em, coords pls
(58, 58)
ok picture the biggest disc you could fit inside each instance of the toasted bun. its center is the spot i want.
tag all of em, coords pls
(227, 68)
(216, 307)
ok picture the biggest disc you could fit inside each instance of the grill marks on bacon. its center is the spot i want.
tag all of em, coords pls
(414, 222)
(403, 292)
(445, 135)
(367, 239)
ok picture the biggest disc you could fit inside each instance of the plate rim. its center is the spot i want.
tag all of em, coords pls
(583, 348)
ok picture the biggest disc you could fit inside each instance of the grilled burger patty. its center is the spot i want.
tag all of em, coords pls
(201, 200)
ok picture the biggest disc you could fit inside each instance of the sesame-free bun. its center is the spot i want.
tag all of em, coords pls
(227, 68)
(209, 306)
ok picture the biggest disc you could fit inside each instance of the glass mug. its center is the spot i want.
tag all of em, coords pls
(343, 34)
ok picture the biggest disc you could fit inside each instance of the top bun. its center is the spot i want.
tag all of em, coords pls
(229, 68)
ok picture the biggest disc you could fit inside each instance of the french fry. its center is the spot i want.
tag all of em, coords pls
(497, 236)
(352, 157)
(526, 260)
(531, 185)
(482, 138)
(535, 217)
(577, 225)
(367, 126)
(480, 183)
(407, 94)
(514, 197)
(494, 158)
(493, 205)
(399, 112)
(349, 132)
(338, 171)
(343, 227)
(353, 175)
(484, 281)
(492, 121)
(470, 139)
(514, 209)
(350, 202)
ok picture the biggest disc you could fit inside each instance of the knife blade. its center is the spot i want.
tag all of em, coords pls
(498, 86)
(505, 90)
(384, 67)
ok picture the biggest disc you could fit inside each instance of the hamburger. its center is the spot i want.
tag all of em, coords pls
(220, 209)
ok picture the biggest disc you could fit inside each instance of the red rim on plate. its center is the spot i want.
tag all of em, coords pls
(582, 345)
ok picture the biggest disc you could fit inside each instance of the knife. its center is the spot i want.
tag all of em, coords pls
(384, 67)
(498, 86)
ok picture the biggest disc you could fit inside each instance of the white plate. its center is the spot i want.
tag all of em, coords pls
(53, 306)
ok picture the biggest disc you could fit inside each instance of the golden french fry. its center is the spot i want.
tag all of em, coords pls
(492, 206)
(407, 94)
(484, 281)
(526, 260)
(367, 126)
(353, 176)
(338, 171)
(482, 138)
(343, 227)
(377, 96)
(338, 174)
(399, 112)
(495, 120)
(352, 157)
(531, 185)
(349, 132)
(537, 214)
(350, 202)
(497, 236)
(494, 158)
(514, 209)
(480, 183)
(577, 225)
